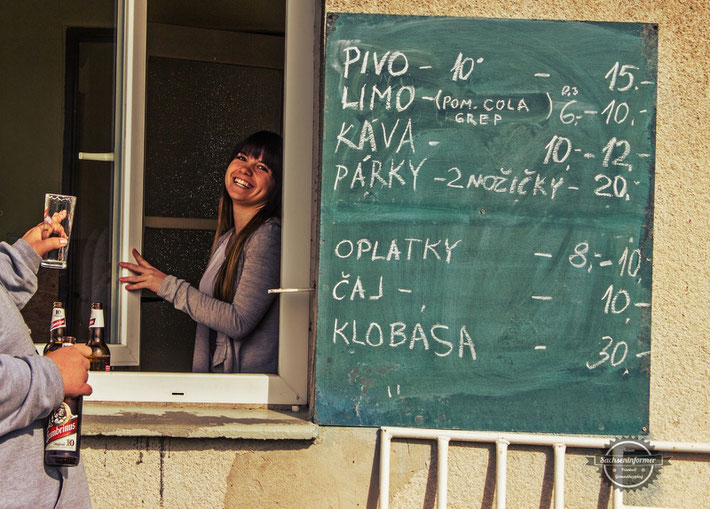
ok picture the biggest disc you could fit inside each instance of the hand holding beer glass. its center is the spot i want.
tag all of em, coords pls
(58, 210)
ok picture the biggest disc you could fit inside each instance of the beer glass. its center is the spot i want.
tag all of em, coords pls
(53, 204)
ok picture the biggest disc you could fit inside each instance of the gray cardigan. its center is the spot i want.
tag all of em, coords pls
(243, 335)
(30, 387)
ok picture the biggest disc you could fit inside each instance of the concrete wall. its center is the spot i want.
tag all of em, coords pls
(339, 468)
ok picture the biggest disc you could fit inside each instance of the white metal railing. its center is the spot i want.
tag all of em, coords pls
(502, 441)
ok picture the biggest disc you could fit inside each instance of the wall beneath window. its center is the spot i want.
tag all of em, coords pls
(339, 469)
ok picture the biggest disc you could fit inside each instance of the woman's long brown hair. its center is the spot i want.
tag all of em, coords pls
(266, 146)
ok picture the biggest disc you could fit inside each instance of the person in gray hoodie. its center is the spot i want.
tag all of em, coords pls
(32, 386)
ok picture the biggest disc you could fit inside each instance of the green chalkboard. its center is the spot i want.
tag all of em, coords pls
(486, 224)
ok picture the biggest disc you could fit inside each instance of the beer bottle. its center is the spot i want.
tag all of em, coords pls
(100, 354)
(57, 328)
(63, 435)
(68, 341)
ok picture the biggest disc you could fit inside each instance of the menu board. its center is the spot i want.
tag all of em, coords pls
(486, 224)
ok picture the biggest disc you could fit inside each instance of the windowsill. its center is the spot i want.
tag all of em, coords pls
(194, 421)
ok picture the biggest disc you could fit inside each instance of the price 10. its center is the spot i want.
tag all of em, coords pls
(629, 262)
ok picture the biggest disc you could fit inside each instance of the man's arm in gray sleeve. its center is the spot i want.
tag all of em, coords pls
(30, 388)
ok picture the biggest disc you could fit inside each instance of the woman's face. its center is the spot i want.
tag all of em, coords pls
(248, 181)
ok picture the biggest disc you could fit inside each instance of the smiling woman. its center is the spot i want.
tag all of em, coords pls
(253, 178)
(238, 319)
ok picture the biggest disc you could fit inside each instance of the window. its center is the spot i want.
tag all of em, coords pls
(289, 386)
(58, 77)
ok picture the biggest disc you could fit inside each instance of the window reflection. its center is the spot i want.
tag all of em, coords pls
(56, 99)
(89, 129)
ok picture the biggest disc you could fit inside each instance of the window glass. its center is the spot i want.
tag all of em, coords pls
(89, 135)
(57, 101)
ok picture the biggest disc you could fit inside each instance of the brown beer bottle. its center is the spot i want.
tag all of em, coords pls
(68, 341)
(63, 436)
(57, 328)
(100, 354)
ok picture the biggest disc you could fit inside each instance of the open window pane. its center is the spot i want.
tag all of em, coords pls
(56, 102)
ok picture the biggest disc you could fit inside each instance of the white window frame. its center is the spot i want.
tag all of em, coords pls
(290, 385)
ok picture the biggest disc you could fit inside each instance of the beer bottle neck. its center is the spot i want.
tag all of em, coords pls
(96, 334)
(56, 335)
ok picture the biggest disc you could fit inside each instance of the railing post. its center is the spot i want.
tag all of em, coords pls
(442, 470)
(385, 443)
(501, 467)
(559, 482)
(618, 495)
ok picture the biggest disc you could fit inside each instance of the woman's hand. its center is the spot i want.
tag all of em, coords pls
(146, 276)
(47, 235)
